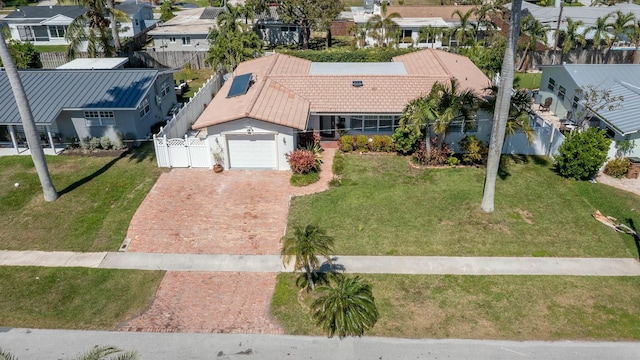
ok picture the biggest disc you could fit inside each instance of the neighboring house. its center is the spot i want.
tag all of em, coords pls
(412, 19)
(79, 103)
(188, 31)
(273, 31)
(141, 15)
(95, 64)
(42, 25)
(561, 84)
(256, 116)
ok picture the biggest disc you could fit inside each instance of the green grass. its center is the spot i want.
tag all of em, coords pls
(51, 48)
(529, 80)
(74, 298)
(486, 307)
(304, 179)
(386, 207)
(99, 196)
(195, 79)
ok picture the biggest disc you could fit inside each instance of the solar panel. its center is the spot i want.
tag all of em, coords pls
(240, 85)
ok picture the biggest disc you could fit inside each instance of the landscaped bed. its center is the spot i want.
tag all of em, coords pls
(99, 196)
(74, 298)
(487, 307)
(386, 207)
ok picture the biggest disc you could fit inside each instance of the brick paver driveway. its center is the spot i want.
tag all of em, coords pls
(192, 211)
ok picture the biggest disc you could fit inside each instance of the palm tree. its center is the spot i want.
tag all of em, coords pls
(114, 27)
(228, 20)
(99, 36)
(359, 32)
(571, 37)
(600, 34)
(348, 309)
(28, 123)
(428, 34)
(483, 17)
(536, 33)
(383, 28)
(502, 109)
(465, 29)
(453, 104)
(622, 26)
(519, 108)
(306, 245)
(421, 114)
(635, 39)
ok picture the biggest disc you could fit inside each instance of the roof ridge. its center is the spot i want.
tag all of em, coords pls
(261, 85)
(437, 57)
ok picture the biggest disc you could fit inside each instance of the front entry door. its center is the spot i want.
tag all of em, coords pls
(327, 126)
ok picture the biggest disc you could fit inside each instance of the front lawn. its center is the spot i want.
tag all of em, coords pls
(99, 196)
(487, 307)
(387, 207)
(74, 298)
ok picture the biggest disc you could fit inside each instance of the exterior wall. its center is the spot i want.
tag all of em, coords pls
(199, 42)
(561, 78)
(413, 41)
(285, 138)
(273, 34)
(13, 28)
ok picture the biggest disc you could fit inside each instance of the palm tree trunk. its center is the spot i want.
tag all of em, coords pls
(501, 112)
(329, 42)
(37, 154)
(114, 28)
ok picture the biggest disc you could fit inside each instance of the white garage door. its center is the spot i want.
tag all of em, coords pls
(256, 151)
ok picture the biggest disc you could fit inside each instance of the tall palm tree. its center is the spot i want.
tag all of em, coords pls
(465, 29)
(348, 309)
(484, 14)
(537, 32)
(622, 26)
(382, 27)
(599, 32)
(28, 123)
(228, 20)
(571, 37)
(359, 32)
(635, 39)
(114, 27)
(502, 109)
(305, 246)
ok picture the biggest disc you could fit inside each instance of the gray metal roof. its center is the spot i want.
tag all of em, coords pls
(211, 13)
(131, 7)
(45, 12)
(51, 91)
(341, 68)
(619, 80)
(587, 14)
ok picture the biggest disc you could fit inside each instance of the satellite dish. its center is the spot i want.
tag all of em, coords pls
(226, 76)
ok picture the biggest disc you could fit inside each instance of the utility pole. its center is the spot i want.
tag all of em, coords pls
(555, 47)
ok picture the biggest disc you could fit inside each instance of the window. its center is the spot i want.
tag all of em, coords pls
(406, 36)
(172, 39)
(144, 108)
(165, 88)
(288, 28)
(33, 33)
(561, 93)
(576, 101)
(374, 123)
(552, 84)
(99, 118)
(57, 31)
(456, 126)
(186, 41)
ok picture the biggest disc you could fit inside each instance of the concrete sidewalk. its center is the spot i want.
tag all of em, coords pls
(351, 264)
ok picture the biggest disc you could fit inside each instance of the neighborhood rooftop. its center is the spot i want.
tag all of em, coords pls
(46, 12)
(51, 91)
(287, 89)
(341, 68)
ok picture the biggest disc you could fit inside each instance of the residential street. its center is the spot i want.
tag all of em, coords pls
(65, 344)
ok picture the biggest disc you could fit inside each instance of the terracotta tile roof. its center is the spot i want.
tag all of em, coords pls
(284, 93)
(443, 12)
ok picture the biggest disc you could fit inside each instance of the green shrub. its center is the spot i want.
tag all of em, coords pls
(346, 143)
(453, 161)
(85, 142)
(405, 140)
(338, 164)
(304, 179)
(617, 167)
(378, 54)
(94, 143)
(105, 142)
(381, 143)
(475, 151)
(582, 154)
(362, 142)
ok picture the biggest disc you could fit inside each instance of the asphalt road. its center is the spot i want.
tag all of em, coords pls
(29, 344)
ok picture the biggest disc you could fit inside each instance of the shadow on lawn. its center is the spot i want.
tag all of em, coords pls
(95, 174)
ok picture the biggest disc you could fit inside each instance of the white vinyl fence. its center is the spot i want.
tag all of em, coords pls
(174, 147)
(547, 140)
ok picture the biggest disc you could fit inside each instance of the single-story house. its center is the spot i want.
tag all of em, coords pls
(78, 103)
(273, 31)
(563, 84)
(255, 118)
(187, 31)
(141, 15)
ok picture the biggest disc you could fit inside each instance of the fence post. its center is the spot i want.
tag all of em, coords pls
(166, 151)
(186, 144)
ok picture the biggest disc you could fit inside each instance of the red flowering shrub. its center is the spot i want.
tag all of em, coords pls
(302, 161)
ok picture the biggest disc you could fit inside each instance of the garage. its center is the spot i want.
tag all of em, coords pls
(255, 151)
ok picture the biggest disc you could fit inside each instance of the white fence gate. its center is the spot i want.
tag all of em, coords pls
(546, 143)
(174, 147)
(185, 152)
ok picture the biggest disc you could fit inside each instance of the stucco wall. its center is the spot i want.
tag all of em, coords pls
(284, 137)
